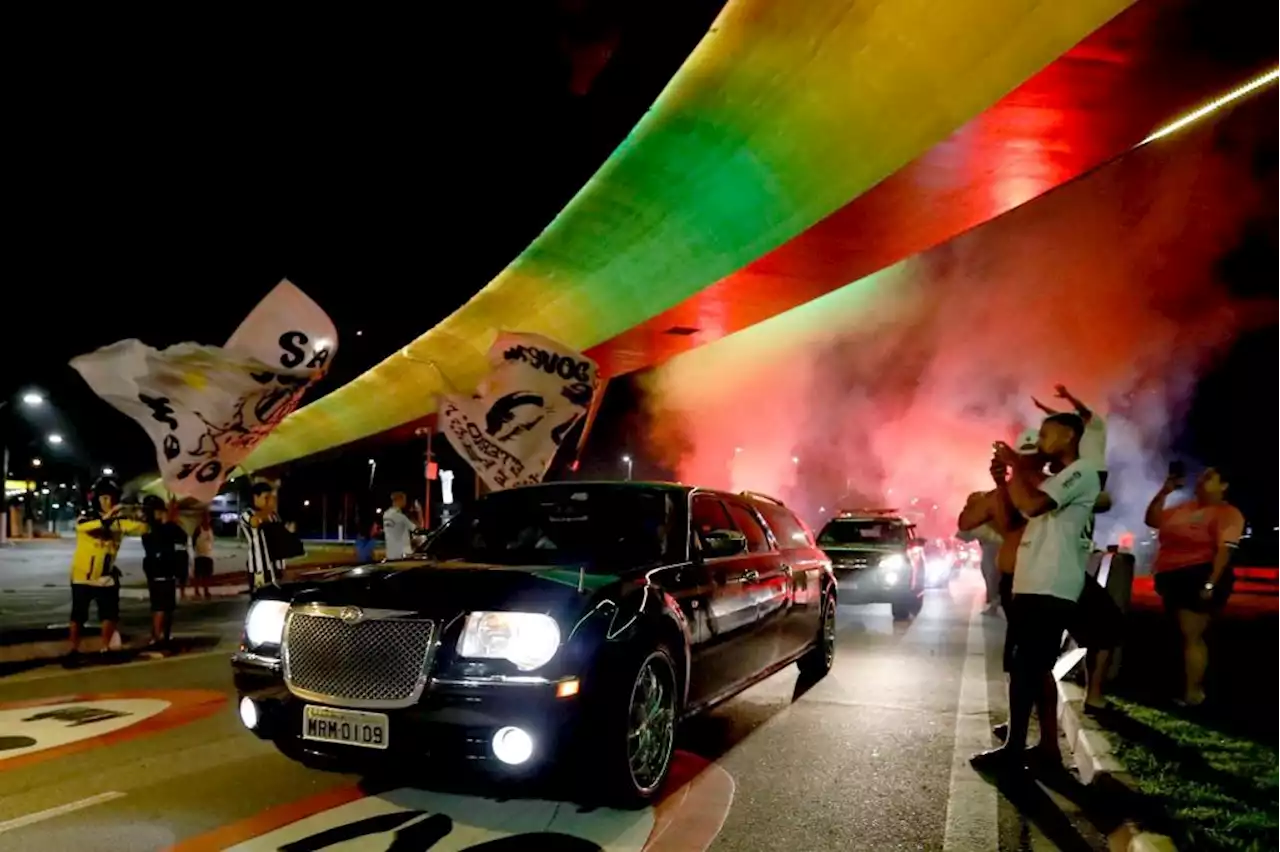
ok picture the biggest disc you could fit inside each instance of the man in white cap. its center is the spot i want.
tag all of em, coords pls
(1095, 621)
(1093, 444)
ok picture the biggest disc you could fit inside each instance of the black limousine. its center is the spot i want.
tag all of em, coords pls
(564, 621)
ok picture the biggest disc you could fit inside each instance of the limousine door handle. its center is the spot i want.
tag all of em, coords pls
(749, 576)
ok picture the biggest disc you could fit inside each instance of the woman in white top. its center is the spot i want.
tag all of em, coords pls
(202, 539)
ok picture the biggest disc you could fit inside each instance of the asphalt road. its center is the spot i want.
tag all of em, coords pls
(872, 757)
(46, 563)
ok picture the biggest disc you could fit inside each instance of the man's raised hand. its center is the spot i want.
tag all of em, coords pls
(1046, 409)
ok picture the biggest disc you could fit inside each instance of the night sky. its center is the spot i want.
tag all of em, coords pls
(390, 169)
(389, 174)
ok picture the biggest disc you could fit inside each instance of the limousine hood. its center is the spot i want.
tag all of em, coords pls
(444, 590)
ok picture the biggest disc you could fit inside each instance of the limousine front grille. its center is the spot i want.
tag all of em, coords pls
(343, 656)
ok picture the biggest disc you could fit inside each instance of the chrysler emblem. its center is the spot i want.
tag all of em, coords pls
(351, 615)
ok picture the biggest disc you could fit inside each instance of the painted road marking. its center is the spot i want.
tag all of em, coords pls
(688, 819)
(69, 807)
(972, 803)
(44, 728)
(42, 674)
(27, 730)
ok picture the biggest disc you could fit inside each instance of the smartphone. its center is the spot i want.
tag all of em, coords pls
(1177, 469)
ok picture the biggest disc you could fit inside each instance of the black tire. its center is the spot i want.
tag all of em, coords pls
(905, 607)
(626, 777)
(815, 664)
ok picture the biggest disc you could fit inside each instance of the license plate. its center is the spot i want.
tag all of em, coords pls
(348, 727)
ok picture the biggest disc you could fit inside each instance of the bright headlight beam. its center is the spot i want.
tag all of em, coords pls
(527, 639)
(1269, 77)
(892, 562)
(265, 623)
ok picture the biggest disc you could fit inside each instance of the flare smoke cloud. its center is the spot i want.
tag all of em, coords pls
(890, 391)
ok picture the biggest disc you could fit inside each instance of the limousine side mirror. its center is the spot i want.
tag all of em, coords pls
(422, 538)
(718, 544)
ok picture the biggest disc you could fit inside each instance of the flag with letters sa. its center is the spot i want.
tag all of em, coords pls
(510, 430)
(207, 407)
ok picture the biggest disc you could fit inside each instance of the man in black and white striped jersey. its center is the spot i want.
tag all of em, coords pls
(262, 568)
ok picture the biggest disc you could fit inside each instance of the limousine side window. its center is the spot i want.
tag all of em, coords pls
(708, 515)
(757, 538)
(789, 530)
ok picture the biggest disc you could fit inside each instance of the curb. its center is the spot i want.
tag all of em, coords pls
(53, 649)
(1094, 759)
(140, 593)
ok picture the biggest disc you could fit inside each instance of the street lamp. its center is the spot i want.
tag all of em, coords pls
(31, 399)
(627, 461)
(54, 439)
(36, 462)
(108, 471)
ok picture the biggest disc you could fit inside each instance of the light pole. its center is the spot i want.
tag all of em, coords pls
(627, 461)
(30, 399)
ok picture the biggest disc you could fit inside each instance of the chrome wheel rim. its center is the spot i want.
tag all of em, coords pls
(829, 636)
(651, 727)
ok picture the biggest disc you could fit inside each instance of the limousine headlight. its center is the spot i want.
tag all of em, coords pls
(527, 639)
(265, 623)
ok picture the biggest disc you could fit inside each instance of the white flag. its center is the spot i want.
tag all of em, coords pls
(207, 407)
(510, 430)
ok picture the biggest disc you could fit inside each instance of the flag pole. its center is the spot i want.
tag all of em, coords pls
(590, 420)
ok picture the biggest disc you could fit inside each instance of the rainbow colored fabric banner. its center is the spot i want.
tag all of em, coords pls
(781, 115)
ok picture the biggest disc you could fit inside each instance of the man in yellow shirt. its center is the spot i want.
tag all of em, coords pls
(94, 577)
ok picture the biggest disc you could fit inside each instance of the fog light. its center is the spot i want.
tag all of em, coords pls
(512, 746)
(248, 713)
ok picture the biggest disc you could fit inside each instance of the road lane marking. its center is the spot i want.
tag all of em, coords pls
(972, 803)
(69, 807)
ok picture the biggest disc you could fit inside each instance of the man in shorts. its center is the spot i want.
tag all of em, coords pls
(1049, 575)
(94, 576)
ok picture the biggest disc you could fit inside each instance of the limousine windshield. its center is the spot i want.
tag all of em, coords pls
(602, 527)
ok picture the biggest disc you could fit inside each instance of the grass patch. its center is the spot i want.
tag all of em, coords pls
(1217, 792)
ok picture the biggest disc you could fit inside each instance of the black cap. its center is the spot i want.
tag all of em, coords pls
(106, 485)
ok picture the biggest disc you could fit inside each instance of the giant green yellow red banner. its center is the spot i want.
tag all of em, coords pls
(781, 115)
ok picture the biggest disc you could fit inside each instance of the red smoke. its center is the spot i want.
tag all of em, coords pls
(896, 387)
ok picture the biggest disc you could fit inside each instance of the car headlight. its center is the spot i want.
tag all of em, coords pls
(527, 639)
(893, 562)
(265, 622)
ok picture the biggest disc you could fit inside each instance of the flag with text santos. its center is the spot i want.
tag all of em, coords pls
(206, 407)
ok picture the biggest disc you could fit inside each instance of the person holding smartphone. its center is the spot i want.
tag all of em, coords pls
(1195, 545)
(1048, 578)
